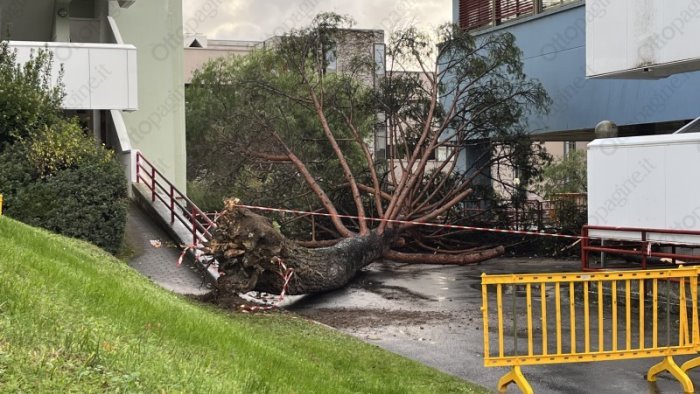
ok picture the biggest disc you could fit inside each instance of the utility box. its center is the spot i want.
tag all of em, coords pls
(645, 182)
(641, 38)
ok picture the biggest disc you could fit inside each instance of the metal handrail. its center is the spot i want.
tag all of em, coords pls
(644, 250)
(194, 218)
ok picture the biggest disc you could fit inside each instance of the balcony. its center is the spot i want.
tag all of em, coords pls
(95, 76)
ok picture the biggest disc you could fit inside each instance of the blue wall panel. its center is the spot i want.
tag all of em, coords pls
(554, 52)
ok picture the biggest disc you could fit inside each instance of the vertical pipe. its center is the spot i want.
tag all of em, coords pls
(641, 314)
(673, 250)
(543, 295)
(528, 295)
(572, 317)
(601, 323)
(586, 320)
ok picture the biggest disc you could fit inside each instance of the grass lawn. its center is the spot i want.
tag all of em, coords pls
(74, 319)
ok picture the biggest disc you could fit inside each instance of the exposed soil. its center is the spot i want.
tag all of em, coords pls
(349, 318)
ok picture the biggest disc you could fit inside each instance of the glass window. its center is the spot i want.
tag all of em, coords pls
(554, 3)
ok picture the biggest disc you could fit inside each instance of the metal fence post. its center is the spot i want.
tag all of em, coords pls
(138, 167)
(584, 248)
(172, 204)
(153, 184)
(193, 219)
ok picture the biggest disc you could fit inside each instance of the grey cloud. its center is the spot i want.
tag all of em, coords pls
(257, 20)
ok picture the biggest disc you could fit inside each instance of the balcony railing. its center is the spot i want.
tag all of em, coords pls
(95, 76)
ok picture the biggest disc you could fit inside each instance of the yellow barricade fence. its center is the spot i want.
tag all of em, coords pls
(596, 316)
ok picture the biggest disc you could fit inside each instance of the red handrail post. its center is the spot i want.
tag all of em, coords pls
(138, 165)
(584, 248)
(193, 219)
(153, 184)
(172, 204)
(645, 245)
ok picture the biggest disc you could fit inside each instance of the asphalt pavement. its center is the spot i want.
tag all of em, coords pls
(432, 314)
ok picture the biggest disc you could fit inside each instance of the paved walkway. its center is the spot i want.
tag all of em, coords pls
(160, 264)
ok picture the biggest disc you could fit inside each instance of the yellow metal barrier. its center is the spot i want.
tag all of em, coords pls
(601, 322)
(0, 204)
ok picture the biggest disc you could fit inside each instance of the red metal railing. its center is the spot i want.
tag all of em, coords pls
(644, 250)
(180, 207)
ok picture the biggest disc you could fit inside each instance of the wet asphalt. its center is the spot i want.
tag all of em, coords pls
(452, 340)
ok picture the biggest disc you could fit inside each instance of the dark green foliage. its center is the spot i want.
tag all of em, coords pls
(27, 99)
(238, 110)
(52, 174)
(566, 175)
(76, 203)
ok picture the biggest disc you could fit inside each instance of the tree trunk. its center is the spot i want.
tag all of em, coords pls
(253, 256)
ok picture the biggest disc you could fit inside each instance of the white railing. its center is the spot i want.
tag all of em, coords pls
(95, 76)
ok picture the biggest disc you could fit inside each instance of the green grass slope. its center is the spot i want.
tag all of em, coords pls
(74, 319)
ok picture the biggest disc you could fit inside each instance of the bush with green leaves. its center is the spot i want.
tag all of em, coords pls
(52, 173)
(28, 98)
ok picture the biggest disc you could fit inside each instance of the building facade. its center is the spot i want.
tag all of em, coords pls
(122, 63)
(552, 37)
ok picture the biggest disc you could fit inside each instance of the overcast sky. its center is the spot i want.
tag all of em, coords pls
(261, 19)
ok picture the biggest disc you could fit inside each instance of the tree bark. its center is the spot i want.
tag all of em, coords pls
(249, 249)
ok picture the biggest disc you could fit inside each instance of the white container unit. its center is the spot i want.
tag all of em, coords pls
(641, 38)
(645, 182)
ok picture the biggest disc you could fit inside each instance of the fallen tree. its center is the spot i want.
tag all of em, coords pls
(249, 250)
(298, 133)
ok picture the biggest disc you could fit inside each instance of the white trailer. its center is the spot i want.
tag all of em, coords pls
(645, 182)
(641, 38)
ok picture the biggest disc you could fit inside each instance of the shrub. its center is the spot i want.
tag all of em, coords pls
(52, 174)
(28, 98)
(67, 185)
(76, 203)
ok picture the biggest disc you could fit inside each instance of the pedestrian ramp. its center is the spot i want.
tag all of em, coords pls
(557, 318)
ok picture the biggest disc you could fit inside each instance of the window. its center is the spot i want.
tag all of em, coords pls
(547, 4)
(569, 146)
(474, 14)
(331, 58)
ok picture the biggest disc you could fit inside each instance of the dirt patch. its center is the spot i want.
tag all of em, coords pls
(344, 318)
